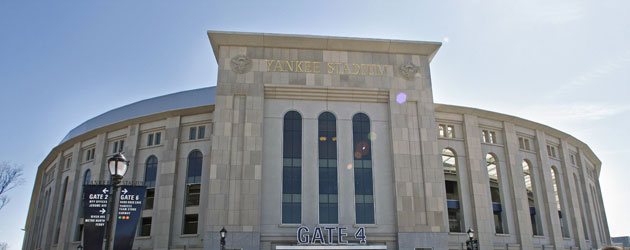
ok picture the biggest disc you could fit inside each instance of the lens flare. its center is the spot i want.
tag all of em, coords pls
(349, 166)
(401, 98)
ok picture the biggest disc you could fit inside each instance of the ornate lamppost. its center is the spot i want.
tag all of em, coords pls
(471, 243)
(223, 233)
(117, 165)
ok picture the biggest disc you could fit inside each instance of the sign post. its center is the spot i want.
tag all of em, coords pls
(95, 212)
(129, 212)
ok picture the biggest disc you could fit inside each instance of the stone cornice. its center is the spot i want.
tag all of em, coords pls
(267, 40)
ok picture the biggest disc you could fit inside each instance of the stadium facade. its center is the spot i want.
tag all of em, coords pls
(326, 143)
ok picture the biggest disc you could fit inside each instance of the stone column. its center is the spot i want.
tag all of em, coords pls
(590, 213)
(572, 197)
(549, 197)
(163, 218)
(236, 162)
(515, 172)
(477, 174)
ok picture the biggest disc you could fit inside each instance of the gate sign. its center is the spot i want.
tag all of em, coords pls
(95, 199)
(327, 235)
(129, 212)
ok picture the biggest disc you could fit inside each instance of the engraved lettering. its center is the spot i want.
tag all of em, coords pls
(330, 68)
(298, 66)
(269, 63)
(307, 66)
(278, 67)
(346, 68)
(316, 67)
(289, 66)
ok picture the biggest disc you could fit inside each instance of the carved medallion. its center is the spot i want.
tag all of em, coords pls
(241, 64)
(409, 71)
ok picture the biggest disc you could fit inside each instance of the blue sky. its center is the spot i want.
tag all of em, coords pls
(561, 63)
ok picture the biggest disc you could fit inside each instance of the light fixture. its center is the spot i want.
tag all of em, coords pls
(471, 233)
(118, 165)
(223, 233)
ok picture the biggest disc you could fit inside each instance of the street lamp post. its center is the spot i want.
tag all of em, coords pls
(223, 233)
(117, 165)
(471, 243)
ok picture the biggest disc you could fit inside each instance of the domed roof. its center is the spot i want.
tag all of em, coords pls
(180, 100)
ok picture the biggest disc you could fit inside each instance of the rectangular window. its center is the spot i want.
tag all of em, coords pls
(521, 143)
(193, 192)
(145, 228)
(548, 150)
(484, 136)
(68, 162)
(118, 146)
(148, 201)
(192, 135)
(158, 138)
(89, 154)
(442, 130)
(201, 132)
(150, 140)
(190, 223)
(572, 159)
(527, 144)
(450, 131)
(493, 137)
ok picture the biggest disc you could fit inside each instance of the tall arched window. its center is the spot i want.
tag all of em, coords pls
(451, 182)
(193, 190)
(531, 198)
(62, 204)
(78, 233)
(363, 184)
(495, 193)
(328, 203)
(557, 191)
(584, 221)
(292, 169)
(598, 214)
(44, 214)
(150, 173)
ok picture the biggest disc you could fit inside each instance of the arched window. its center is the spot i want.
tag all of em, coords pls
(328, 203)
(193, 190)
(584, 221)
(150, 173)
(557, 191)
(87, 177)
(598, 214)
(363, 184)
(451, 183)
(62, 204)
(78, 233)
(531, 198)
(292, 168)
(495, 193)
(44, 216)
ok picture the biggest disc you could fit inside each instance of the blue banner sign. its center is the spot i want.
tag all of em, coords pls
(330, 235)
(95, 198)
(129, 212)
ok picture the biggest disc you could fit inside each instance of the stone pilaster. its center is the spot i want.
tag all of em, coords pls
(236, 156)
(549, 197)
(482, 220)
(163, 219)
(520, 200)
(572, 197)
(586, 190)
